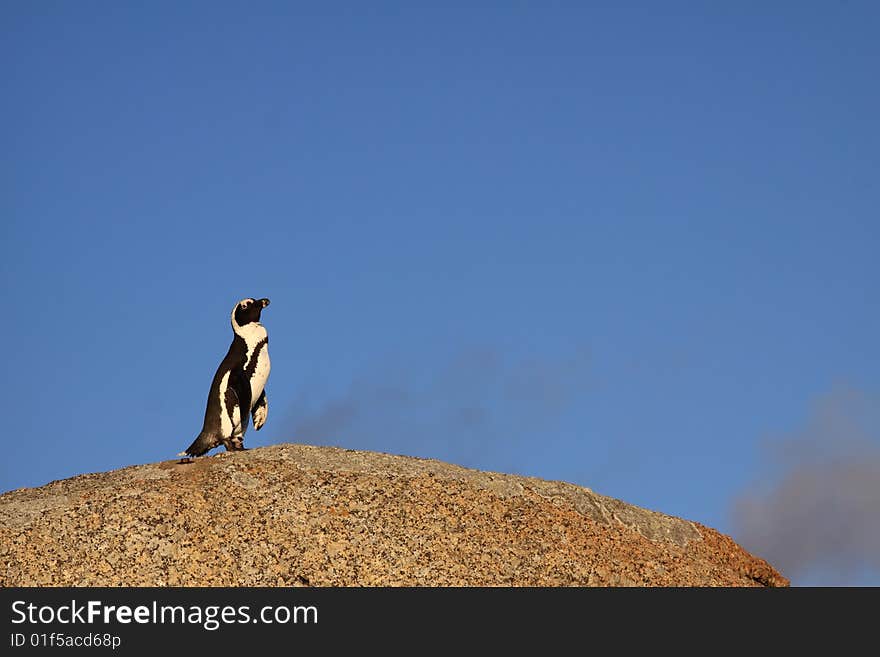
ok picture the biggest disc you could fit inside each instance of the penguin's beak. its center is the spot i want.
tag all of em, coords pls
(265, 302)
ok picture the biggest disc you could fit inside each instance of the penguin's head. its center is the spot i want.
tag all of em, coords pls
(248, 310)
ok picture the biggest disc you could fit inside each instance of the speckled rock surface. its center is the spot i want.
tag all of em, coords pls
(294, 515)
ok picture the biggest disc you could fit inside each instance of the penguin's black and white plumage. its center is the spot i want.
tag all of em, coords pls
(238, 389)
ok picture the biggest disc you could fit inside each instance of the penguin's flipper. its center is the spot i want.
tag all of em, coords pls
(260, 411)
(233, 409)
(238, 419)
(238, 403)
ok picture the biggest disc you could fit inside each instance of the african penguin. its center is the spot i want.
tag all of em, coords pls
(238, 388)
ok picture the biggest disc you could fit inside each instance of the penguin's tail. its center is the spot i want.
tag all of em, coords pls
(203, 443)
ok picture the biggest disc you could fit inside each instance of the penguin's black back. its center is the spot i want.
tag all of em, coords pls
(234, 364)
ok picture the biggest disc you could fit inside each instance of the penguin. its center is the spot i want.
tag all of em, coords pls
(239, 386)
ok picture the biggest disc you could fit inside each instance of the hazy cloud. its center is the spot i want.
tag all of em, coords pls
(475, 408)
(818, 516)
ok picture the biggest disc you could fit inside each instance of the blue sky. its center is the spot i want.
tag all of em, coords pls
(628, 246)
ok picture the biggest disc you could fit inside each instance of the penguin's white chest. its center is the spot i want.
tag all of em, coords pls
(261, 373)
(256, 360)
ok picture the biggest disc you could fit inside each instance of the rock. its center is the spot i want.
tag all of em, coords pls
(296, 515)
